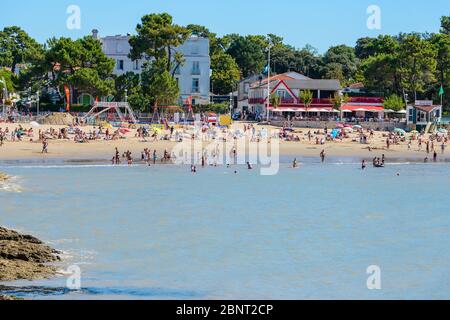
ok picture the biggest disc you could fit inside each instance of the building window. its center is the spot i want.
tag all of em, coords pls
(196, 67)
(136, 65)
(177, 70)
(283, 94)
(246, 87)
(120, 64)
(195, 85)
(411, 115)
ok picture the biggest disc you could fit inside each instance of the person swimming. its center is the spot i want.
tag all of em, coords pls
(249, 166)
(295, 163)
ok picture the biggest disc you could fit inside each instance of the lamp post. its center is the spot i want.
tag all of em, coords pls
(268, 82)
(126, 100)
(37, 103)
(231, 104)
(2, 81)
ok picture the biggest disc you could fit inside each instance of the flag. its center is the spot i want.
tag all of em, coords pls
(441, 91)
(67, 91)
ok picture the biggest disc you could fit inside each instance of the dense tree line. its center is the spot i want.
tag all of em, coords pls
(416, 64)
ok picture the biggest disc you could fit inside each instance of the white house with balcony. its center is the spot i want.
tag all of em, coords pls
(193, 76)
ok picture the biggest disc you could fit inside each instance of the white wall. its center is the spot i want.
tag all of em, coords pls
(195, 50)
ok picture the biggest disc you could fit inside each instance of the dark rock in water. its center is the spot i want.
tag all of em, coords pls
(3, 177)
(8, 298)
(24, 257)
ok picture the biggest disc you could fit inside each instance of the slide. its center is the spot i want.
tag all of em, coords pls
(166, 124)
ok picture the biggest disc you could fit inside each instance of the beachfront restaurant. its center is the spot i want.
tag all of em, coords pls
(291, 104)
(362, 109)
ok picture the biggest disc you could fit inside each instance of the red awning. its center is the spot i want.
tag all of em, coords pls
(301, 109)
(363, 108)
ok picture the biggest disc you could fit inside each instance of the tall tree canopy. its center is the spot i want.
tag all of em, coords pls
(157, 38)
(249, 54)
(80, 63)
(225, 73)
(158, 86)
(340, 62)
(445, 25)
(6, 81)
(17, 47)
(417, 63)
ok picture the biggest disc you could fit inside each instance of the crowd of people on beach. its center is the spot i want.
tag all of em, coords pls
(430, 144)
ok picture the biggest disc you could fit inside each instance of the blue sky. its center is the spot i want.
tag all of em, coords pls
(321, 23)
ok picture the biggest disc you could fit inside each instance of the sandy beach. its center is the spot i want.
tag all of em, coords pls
(30, 148)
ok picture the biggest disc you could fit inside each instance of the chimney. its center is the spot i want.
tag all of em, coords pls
(95, 34)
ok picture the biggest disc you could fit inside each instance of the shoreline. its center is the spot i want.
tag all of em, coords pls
(287, 157)
(307, 146)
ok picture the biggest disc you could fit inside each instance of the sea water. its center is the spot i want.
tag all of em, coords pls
(162, 232)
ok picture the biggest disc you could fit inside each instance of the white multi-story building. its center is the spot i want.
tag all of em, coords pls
(193, 76)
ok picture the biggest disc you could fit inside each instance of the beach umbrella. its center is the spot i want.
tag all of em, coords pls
(124, 131)
(348, 129)
(34, 124)
(441, 130)
(400, 131)
(414, 132)
(340, 125)
(401, 112)
(357, 126)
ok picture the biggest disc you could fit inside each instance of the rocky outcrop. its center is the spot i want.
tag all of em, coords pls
(8, 298)
(3, 177)
(24, 257)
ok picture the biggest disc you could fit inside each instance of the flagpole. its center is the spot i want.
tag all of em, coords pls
(268, 85)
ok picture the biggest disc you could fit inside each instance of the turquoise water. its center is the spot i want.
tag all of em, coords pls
(308, 233)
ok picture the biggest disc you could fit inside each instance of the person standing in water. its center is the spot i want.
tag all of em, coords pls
(363, 165)
(155, 157)
(322, 156)
(117, 157)
(295, 164)
(44, 146)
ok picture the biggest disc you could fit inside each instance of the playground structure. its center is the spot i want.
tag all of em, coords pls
(161, 113)
(111, 109)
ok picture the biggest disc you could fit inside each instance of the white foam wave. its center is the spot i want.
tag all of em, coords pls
(68, 166)
(11, 185)
(59, 241)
